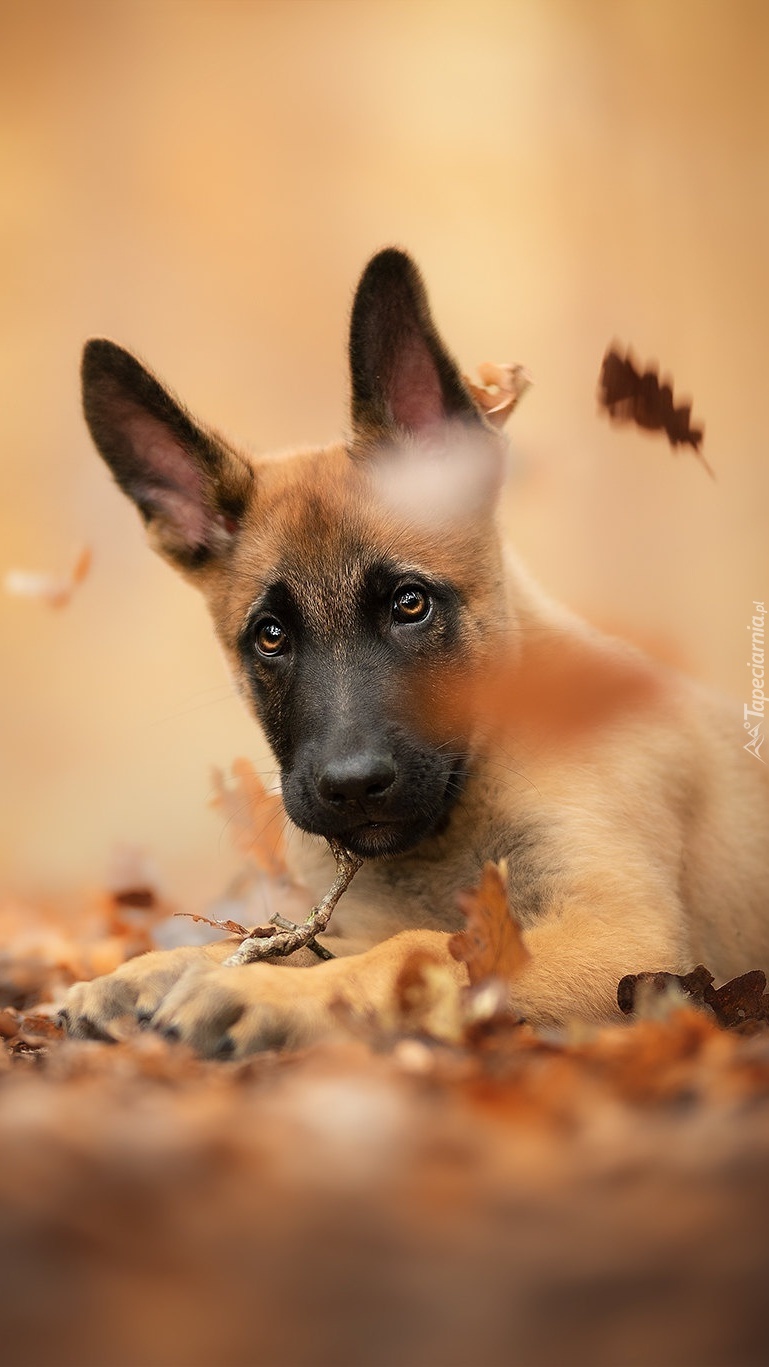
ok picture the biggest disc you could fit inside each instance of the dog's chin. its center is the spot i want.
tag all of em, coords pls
(388, 838)
(371, 839)
(381, 839)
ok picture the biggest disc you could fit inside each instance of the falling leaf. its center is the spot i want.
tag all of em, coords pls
(54, 590)
(560, 694)
(629, 395)
(491, 943)
(501, 388)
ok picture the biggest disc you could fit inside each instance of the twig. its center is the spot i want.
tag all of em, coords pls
(235, 928)
(313, 945)
(264, 944)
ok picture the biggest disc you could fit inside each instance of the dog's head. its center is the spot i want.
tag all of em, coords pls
(348, 585)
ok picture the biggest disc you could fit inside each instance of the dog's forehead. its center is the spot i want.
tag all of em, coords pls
(321, 526)
(326, 558)
(314, 530)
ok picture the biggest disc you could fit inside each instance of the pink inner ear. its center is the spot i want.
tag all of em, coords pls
(416, 400)
(169, 476)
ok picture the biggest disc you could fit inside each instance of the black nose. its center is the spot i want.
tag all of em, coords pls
(363, 779)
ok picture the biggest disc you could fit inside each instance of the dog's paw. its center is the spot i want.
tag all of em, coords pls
(96, 1009)
(233, 1012)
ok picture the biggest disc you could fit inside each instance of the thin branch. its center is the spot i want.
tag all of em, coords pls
(264, 943)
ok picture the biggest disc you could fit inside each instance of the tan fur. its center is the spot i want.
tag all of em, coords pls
(635, 840)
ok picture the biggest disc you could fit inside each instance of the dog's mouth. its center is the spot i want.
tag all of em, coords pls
(377, 829)
(377, 839)
(372, 838)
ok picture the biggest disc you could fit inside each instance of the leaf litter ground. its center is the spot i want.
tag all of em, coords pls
(439, 1186)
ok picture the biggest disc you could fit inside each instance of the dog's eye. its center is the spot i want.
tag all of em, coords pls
(270, 637)
(411, 604)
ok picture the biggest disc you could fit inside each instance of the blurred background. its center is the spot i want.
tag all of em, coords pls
(203, 180)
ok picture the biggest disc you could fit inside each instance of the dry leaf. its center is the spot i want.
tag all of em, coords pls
(232, 927)
(560, 695)
(255, 818)
(428, 999)
(54, 590)
(740, 1002)
(631, 396)
(501, 388)
(491, 943)
(439, 1162)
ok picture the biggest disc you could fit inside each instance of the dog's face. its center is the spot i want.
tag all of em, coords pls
(348, 585)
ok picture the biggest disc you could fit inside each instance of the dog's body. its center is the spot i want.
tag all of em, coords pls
(366, 606)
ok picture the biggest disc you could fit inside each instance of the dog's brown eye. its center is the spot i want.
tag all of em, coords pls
(411, 604)
(270, 637)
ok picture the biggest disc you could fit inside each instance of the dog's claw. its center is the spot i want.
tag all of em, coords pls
(85, 1028)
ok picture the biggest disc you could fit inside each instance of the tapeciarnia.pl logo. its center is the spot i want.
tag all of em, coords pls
(756, 708)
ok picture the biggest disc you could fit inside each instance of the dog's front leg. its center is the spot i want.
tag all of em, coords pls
(235, 1011)
(577, 957)
(94, 1009)
(578, 954)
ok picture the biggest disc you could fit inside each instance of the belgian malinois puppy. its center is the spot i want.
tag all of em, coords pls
(429, 707)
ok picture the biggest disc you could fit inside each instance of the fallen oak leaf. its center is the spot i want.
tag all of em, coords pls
(33, 1026)
(636, 991)
(741, 1001)
(55, 590)
(491, 944)
(139, 899)
(629, 395)
(428, 999)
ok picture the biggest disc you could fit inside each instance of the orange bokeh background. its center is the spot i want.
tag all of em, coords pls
(202, 180)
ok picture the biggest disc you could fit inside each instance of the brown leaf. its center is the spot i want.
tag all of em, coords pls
(40, 1026)
(140, 899)
(741, 1001)
(491, 943)
(635, 986)
(501, 388)
(255, 818)
(233, 927)
(428, 1000)
(628, 395)
(560, 694)
(55, 590)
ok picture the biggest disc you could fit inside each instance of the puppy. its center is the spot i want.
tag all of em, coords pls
(429, 707)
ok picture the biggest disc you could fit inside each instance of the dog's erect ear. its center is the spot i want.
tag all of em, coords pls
(190, 488)
(403, 379)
